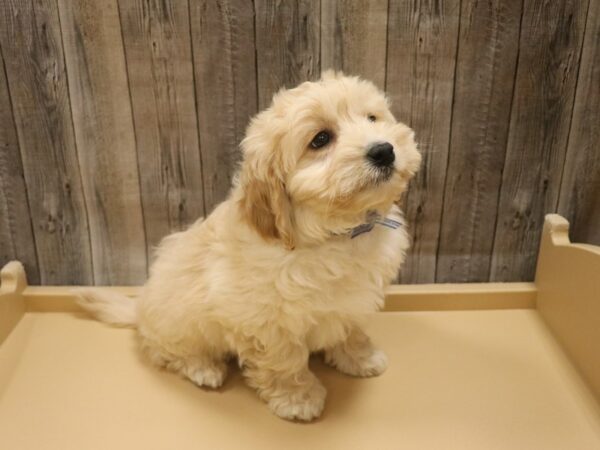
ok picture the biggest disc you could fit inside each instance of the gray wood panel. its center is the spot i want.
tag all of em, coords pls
(225, 75)
(120, 121)
(158, 53)
(105, 139)
(580, 189)
(16, 236)
(422, 42)
(551, 39)
(287, 45)
(486, 64)
(31, 41)
(354, 38)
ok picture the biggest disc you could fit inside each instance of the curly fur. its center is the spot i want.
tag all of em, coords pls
(272, 274)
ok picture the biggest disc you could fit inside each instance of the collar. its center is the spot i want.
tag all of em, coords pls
(373, 218)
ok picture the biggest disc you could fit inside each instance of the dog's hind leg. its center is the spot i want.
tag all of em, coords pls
(202, 369)
(357, 356)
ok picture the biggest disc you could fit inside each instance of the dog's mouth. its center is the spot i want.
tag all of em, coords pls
(375, 177)
(378, 176)
(382, 174)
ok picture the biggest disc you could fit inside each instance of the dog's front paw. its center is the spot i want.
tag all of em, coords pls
(360, 365)
(302, 404)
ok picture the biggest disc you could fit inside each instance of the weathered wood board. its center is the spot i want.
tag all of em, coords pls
(225, 74)
(16, 237)
(354, 38)
(31, 41)
(287, 45)
(422, 43)
(580, 188)
(550, 47)
(485, 69)
(158, 54)
(105, 138)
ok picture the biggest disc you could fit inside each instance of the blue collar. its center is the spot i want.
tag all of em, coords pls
(373, 219)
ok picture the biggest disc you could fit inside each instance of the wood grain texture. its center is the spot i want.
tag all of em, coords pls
(32, 48)
(580, 189)
(225, 75)
(105, 139)
(16, 236)
(422, 40)
(158, 52)
(485, 68)
(551, 39)
(287, 45)
(120, 121)
(353, 38)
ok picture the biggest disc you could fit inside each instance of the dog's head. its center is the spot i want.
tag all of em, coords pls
(320, 157)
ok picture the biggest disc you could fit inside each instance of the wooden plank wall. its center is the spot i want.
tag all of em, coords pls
(120, 121)
(421, 66)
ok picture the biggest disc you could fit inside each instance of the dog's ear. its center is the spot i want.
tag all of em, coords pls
(264, 202)
(266, 207)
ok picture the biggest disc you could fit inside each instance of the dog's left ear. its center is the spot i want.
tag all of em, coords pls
(265, 203)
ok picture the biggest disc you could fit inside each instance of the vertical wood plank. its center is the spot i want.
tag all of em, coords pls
(485, 69)
(225, 73)
(580, 189)
(353, 38)
(287, 44)
(550, 46)
(422, 40)
(158, 52)
(16, 236)
(105, 139)
(32, 47)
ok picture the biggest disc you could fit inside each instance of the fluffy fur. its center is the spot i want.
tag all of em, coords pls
(272, 274)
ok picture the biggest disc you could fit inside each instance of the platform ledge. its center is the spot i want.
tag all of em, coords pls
(12, 278)
(556, 228)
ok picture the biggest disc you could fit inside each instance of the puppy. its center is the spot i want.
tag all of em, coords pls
(295, 257)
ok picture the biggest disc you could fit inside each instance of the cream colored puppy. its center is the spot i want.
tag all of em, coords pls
(295, 257)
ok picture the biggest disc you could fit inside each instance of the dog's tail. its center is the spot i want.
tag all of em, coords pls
(109, 307)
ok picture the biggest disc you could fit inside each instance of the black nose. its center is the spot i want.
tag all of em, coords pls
(381, 154)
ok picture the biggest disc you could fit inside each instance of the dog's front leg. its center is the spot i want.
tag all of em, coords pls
(357, 356)
(282, 378)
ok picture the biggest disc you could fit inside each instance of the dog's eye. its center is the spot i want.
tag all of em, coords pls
(320, 140)
(371, 118)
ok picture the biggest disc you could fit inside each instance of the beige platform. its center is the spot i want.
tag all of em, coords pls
(495, 366)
